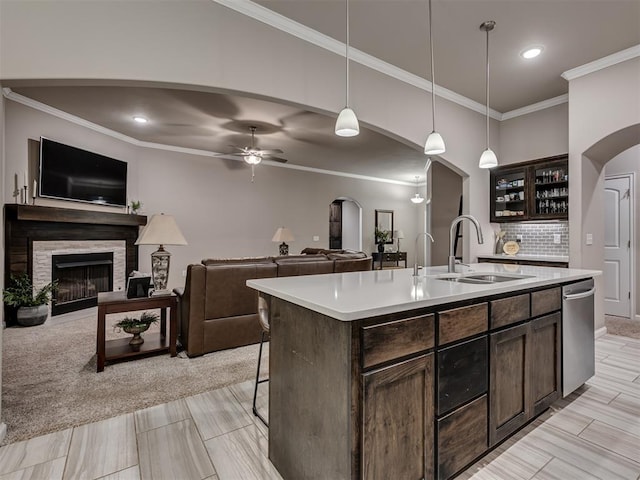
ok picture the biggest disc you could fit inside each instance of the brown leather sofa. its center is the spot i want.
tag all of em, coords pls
(216, 310)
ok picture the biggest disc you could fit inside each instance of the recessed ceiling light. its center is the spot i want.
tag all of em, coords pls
(139, 119)
(532, 52)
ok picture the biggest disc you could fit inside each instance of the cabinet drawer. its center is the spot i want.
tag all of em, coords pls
(462, 436)
(461, 323)
(509, 310)
(462, 373)
(387, 341)
(545, 301)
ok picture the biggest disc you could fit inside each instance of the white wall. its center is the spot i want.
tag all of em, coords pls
(536, 135)
(220, 212)
(629, 162)
(187, 43)
(350, 225)
(600, 104)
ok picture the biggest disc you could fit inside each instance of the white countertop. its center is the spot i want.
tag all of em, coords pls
(535, 258)
(355, 295)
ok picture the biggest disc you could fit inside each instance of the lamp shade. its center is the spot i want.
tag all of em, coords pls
(283, 234)
(417, 198)
(347, 123)
(434, 144)
(398, 234)
(488, 159)
(161, 230)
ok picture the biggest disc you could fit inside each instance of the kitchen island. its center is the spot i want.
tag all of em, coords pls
(382, 375)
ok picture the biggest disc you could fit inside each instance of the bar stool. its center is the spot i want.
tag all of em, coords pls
(263, 315)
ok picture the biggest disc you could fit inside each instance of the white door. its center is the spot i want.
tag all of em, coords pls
(617, 246)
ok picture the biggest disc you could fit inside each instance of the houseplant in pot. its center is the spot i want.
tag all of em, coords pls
(32, 306)
(136, 326)
(382, 237)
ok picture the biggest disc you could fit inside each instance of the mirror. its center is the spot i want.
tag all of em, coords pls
(384, 223)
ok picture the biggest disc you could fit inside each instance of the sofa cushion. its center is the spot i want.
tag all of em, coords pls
(293, 265)
(227, 292)
(346, 256)
(236, 261)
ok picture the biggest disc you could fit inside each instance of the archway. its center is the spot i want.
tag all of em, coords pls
(345, 224)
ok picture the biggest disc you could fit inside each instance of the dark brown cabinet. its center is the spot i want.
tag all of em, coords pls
(398, 421)
(509, 407)
(462, 436)
(525, 367)
(535, 190)
(545, 351)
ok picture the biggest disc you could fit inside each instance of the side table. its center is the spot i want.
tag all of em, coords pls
(117, 302)
(396, 257)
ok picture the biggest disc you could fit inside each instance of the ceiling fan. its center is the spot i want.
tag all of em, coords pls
(254, 155)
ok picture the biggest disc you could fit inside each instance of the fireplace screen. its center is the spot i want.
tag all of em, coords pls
(80, 278)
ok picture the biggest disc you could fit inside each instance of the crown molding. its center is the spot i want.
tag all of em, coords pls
(604, 62)
(282, 23)
(16, 97)
(535, 107)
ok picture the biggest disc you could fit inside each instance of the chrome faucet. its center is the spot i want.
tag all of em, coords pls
(415, 265)
(452, 255)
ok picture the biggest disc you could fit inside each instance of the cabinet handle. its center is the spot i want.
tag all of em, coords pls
(577, 296)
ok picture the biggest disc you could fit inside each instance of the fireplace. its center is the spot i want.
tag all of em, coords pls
(80, 277)
(34, 234)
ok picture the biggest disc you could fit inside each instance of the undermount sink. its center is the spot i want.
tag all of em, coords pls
(483, 278)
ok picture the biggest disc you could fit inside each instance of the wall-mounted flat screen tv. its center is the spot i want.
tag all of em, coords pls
(69, 173)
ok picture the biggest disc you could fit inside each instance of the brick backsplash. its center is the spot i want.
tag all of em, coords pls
(537, 238)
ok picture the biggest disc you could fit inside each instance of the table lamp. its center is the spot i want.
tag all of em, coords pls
(398, 234)
(161, 230)
(283, 235)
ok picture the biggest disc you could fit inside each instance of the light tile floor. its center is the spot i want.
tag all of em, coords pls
(593, 434)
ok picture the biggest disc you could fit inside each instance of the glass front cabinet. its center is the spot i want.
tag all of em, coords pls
(536, 190)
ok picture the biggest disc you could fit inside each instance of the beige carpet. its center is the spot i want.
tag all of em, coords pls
(622, 326)
(50, 380)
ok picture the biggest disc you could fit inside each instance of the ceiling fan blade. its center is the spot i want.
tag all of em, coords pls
(270, 152)
(275, 159)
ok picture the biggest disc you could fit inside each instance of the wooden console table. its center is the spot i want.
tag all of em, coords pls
(396, 257)
(117, 302)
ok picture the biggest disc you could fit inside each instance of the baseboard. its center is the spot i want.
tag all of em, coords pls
(3, 431)
(600, 332)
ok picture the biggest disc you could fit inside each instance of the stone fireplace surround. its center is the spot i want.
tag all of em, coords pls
(33, 233)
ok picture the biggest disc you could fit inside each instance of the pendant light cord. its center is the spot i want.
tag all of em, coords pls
(487, 30)
(433, 78)
(346, 54)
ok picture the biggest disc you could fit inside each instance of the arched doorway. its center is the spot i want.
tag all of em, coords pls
(345, 224)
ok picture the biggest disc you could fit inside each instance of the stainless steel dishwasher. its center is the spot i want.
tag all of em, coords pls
(578, 342)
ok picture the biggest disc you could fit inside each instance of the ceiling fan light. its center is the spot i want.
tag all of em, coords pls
(488, 159)
(434, 144)
(417, 198)
(252, 159)
(347, 123)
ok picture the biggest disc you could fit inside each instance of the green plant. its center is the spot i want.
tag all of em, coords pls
(382, 236)
(135, 205)
(145, 320)
(20, 293)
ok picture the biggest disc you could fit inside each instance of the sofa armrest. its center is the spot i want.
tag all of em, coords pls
(191, 308)
(179, 292)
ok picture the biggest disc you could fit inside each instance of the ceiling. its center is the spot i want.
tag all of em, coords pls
(573, 33)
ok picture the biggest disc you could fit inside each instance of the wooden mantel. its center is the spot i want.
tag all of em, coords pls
(66, 215)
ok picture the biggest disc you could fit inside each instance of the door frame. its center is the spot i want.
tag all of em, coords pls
(357, 204)
(632, 253)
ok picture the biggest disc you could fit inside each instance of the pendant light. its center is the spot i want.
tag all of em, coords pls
(488, 159)
(347, 123)
(434, 144)
(417, 198)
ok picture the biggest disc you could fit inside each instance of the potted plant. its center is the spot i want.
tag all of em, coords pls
(136, 326)
(135, 205)
(382, 237)
(32, 307)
